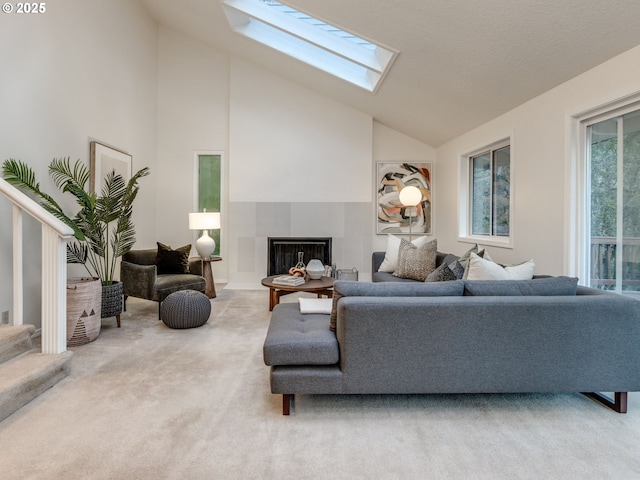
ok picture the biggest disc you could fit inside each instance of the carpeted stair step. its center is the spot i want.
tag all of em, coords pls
(14, 341)
(26, 376)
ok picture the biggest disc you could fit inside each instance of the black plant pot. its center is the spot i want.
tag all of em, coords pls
(112, 301)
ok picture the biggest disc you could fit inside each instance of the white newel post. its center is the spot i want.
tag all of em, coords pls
(18, 305)
(54, 292)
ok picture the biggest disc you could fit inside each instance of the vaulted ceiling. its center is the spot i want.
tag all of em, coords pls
(461, 62)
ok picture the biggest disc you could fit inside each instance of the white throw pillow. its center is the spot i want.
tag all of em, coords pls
(390, 262)
(482, 269)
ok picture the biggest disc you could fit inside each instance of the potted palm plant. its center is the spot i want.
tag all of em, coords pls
(103, 228)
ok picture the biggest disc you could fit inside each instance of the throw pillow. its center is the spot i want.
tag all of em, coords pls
(172, 261)
(441, 274)
(390, 262)
(414, 262)
(457, 269)
(464, 259)
(483, 269)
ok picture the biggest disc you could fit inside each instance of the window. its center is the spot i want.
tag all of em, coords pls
(208, 192)
(311, 40)
(613, 175)
(486, 207)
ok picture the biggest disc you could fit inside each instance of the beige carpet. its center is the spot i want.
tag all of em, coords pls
(148, 402)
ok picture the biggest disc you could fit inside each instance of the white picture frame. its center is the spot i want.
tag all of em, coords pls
(105, 159)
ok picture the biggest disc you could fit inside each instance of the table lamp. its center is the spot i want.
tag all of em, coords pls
(205, 221)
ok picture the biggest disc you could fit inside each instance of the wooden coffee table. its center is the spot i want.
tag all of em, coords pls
(322, 286)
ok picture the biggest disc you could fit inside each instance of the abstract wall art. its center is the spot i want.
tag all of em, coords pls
(392, 216)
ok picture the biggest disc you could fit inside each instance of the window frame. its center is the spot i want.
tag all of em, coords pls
(365, 65)
(465, 207)
(220, 242)
(578, 217)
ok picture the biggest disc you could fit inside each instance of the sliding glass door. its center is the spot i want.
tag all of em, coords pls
(613, 161)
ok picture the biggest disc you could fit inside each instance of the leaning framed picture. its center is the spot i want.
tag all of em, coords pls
(392, 215)
(105, 159)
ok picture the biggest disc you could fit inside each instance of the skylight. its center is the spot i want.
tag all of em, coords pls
(313, 41)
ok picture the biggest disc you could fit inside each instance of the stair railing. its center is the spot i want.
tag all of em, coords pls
(54, 269)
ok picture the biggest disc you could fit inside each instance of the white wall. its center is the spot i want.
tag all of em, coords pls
(540, 158)
(193, 115)
(289, 144)
(81, 71)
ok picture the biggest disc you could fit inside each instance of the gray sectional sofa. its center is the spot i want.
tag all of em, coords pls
(541, 335)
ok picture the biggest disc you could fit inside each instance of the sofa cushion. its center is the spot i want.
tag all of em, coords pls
(172, 261)
(485, 269)
(546, 286)
(297, 339)
(416, 262)
(344, 288)
(388, 277)
(173, 282)
(390, 262)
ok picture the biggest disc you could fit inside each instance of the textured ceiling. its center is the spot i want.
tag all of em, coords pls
(461, 62)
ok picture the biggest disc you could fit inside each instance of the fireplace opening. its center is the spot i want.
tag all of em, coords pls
(282, 253)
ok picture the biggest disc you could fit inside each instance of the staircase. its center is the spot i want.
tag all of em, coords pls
(25, 373)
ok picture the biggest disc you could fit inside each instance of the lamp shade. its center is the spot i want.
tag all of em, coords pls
(204, 220)
(410, 196)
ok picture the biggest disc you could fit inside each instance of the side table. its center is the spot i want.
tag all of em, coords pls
(207, 273)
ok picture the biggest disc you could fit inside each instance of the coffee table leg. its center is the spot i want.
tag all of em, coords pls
(273, 298)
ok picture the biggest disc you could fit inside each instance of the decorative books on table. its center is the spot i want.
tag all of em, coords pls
(288, 280)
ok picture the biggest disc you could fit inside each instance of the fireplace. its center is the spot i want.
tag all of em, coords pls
(282, 253)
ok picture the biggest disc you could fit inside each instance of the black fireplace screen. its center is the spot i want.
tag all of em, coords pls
(283, 252)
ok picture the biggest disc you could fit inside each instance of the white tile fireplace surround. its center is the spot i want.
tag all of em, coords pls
(348, 224)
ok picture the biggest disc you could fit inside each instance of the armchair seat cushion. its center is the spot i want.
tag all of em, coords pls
(173, 282)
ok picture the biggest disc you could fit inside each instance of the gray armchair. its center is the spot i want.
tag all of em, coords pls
(140, 278)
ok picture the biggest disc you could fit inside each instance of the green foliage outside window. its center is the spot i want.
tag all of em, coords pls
(209, 182)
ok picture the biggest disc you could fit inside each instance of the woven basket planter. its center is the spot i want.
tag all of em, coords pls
(84, 304)
(111, 300)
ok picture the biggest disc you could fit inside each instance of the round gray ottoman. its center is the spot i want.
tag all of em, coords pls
(185, 309)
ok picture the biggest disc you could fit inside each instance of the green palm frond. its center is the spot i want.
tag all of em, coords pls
(77, 252)
(61, 172)
(22, 176)
(102, 227)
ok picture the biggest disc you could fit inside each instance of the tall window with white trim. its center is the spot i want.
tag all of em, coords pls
(486, 208)
(613, 177)
(209, 186)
